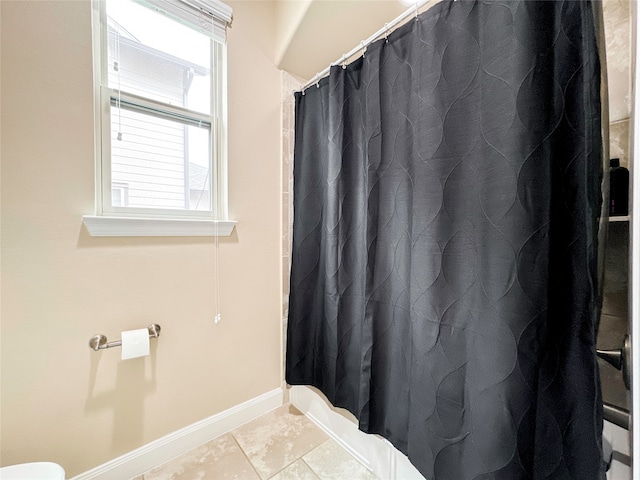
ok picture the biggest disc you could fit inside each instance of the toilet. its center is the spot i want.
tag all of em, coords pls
(32, 471)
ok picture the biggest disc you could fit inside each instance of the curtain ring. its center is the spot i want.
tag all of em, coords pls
(343, 61)
(363, 47)
(386, 33)
(416, 10)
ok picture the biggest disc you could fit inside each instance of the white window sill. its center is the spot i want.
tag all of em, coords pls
(102, 226)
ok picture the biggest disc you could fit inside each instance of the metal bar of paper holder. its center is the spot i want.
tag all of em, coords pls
(99, 342)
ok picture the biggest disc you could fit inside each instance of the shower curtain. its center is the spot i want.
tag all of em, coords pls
(444, 264)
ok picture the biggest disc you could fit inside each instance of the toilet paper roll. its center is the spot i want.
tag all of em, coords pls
(135, 343)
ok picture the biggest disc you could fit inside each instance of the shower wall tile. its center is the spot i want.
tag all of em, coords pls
(619, 141)
(286, 247)
(614, 318)
(289, 84)
(617, 27)
(285, 290)
(287, 163)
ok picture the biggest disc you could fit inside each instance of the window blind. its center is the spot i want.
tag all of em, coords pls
(210, 17)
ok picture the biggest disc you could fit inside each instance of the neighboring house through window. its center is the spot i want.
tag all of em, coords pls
(119, 194)
(161, 113)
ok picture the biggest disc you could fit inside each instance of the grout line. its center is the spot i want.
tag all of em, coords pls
(351, 457)
(288, 464)
(245, 454)
(300, 458)
(627, 119)
(310, 468)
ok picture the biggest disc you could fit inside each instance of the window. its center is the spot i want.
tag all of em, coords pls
(160, 114)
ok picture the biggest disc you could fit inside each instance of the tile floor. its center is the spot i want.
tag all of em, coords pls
(281, 445)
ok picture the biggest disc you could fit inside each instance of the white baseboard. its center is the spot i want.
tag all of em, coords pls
(181, 441)
(373, 451)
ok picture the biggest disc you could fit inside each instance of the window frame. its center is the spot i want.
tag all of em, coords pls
(109, 220)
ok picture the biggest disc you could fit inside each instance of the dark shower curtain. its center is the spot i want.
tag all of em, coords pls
(444, 264)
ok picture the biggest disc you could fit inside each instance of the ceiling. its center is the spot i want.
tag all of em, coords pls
(315, 33)
(312, 34)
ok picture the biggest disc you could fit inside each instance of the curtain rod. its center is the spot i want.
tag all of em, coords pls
(365, 43)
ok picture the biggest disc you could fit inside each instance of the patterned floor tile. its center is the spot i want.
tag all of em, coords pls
(277, 439)
(296, 471)
(331, 462)
(220, 458)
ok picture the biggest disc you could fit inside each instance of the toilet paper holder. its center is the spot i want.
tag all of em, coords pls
(99, 342)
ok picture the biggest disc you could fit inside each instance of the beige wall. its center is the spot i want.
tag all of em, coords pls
(288, 17)
(60, 400)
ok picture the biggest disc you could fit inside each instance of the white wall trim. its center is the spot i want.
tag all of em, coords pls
(107, 226)
(373, 451)
(160, 451)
